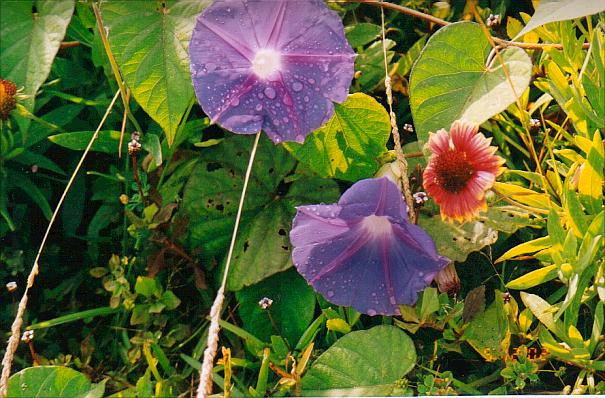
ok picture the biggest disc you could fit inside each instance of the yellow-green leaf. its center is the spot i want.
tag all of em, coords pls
(534, 278)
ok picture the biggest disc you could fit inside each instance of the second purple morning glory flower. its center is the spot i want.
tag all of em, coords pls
(363, 252)
(274, 65)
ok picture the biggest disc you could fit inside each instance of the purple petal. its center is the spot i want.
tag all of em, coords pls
(362, 252)
(378, 196)
(315, 66)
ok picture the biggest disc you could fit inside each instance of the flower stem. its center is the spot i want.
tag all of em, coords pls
(205, 386)
(13, 341)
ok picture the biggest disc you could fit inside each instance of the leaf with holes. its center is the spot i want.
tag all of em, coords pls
(348, 146)
(290, 294)
(457, 241)
(363, 363)
(488, 332)
(149, 40)
(450, 80)
(211, 196)
(30, 41)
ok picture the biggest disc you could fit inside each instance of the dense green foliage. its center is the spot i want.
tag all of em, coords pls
(131, 268)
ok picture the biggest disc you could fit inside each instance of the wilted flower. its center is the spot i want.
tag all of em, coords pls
(274, 65)
(363, 252)
(461, 169)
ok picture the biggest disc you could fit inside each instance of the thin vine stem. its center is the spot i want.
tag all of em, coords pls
(402, 162)
(13, 341)
(205, 386)
(441, 22)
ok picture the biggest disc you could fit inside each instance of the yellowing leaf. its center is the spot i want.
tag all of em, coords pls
(524, 195)
(534, 278)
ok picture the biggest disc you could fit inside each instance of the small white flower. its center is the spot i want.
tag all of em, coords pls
(265, 303)
(11, 286)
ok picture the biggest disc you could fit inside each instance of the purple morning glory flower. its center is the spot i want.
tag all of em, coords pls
(363, 252)
(274, 65)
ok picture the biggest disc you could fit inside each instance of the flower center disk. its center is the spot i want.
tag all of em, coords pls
(266, 62)
(453, 170)
(377, 226)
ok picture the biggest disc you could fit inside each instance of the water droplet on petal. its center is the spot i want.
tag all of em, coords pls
(330, 293)
(270, 92)
(258, 107)
(297, 86)
(371, 312)
(306, 98)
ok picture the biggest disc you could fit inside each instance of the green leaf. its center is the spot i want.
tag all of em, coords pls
(450, 80)
(30, 42)
(557, 10)
(541, 310)
(107, 141)
(531, 246)
(457, 241)
(149, 42)
(52, 381)
(21, 181)
(349, 145)
(170, 300)
(488, 332)
(212, 194)
(429, 303)
(147, 286)
(370, 62)
(362, 33)
(590, 185)
(534, 278)
(291, 311)
(362, 363)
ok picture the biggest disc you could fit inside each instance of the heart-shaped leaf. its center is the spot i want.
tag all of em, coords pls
(348, 146)
(211, 197)
(560, 10)
(52, 381)
(290, 312)
(149, 40)
(362, 363)
(450, 80)
(30, 40)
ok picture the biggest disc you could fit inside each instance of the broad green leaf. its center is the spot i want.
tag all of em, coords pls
(488, 332)
(362, 363)
(561, 10)
(291, 311)
(149, 40)
(450, 80)
(349, 145)
(107, 140)
(429, 303)
(542, 310)
(212, 193)
(531, 246)
(52, 381)
(24, 183)
(534, 278)
(362, 33)
(457, 241)
(30, 42)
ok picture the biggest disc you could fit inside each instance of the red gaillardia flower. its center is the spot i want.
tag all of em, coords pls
(463, 166)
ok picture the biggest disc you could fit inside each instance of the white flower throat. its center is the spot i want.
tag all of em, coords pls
(377, 226)
(266, 62)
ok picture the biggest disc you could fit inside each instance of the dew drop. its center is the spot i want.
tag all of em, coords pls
(297, 86)
(306, 98)
(235, 101)
(287, 100)
(311, 81)
(258, 107)
(260, 95)
(330, 293)
(371, 312)
(270, 92)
